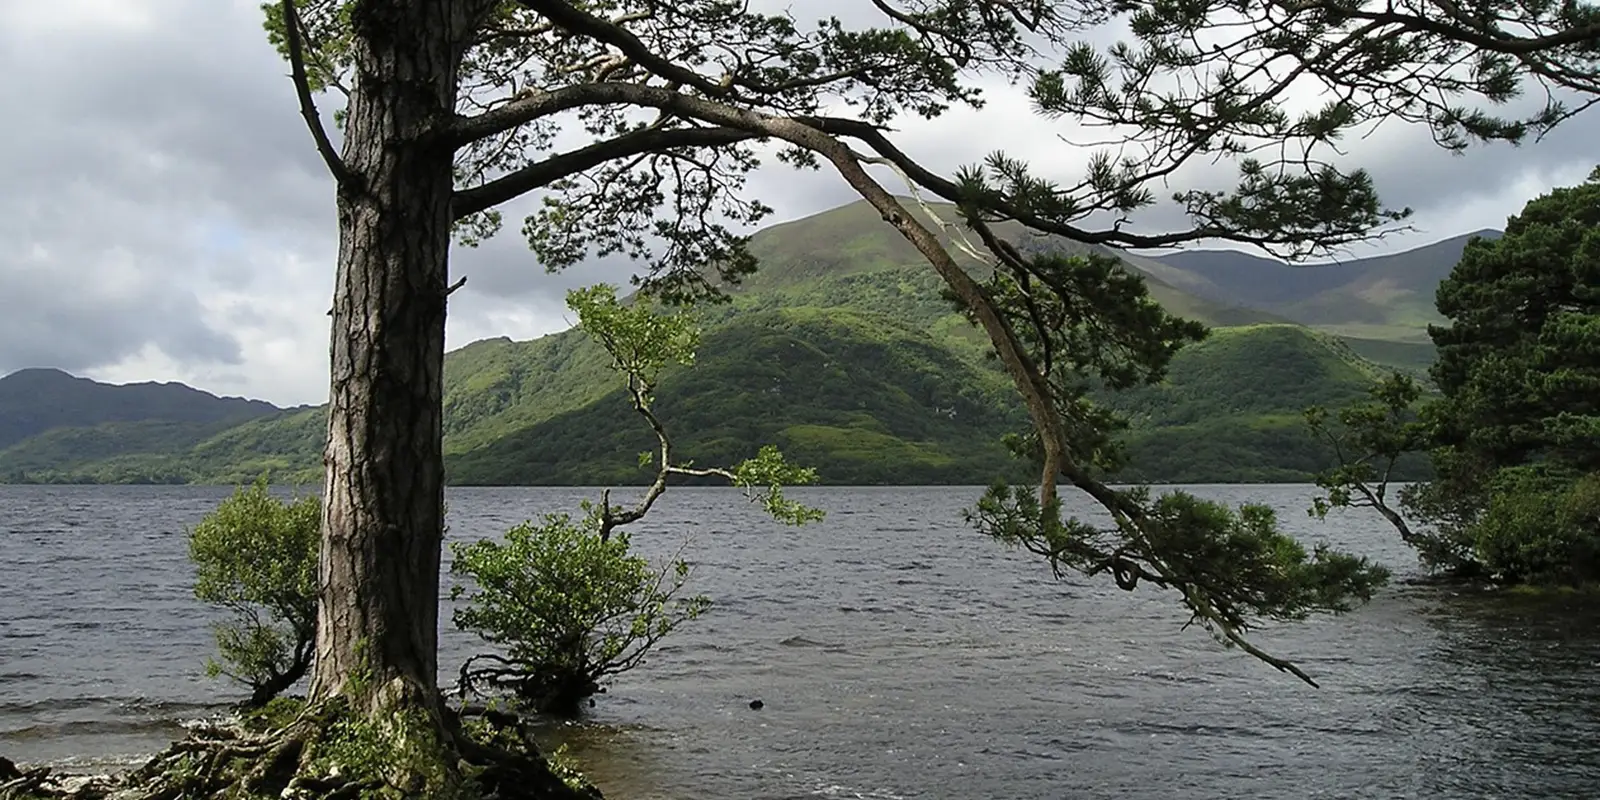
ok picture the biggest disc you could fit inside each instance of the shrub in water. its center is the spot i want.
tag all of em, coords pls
(256, 557)
(569, 607)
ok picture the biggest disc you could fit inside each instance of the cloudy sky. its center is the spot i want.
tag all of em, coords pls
(164, 216)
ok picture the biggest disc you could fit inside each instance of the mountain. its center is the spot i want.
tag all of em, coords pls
(866, 398)
(34, 401)
(853, 239)
(1387, 298)
(841, 350)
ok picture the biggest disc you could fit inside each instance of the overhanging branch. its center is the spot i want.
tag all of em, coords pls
(527, 107)
(873, 137)
(1461, 31)
(764, 125)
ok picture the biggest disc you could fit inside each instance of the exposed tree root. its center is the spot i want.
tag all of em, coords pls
(328, 755)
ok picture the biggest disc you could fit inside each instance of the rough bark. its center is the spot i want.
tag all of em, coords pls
(383, 509)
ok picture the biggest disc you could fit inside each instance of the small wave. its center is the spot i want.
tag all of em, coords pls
(110, 762)
(1191, 729)
(120, 704)
(801, 641)
(99, 727)
(1170, 677)
(824, 789)
(866, 610)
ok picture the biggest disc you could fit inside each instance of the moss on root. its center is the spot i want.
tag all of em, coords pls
(325, 753)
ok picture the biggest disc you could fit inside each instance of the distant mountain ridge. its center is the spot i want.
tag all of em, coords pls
(36, 400)
(1379, 297)
(842, 350)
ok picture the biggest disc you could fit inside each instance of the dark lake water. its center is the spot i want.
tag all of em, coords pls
(899, 655)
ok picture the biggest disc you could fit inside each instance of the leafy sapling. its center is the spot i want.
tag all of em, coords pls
(1368, 439)
(565, 600)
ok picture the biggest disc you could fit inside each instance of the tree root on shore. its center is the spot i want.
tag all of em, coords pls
(326, 755)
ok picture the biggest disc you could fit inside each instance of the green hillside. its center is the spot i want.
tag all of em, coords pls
(873, 399)
(841, 350)
(1232, 406)
(853, 239)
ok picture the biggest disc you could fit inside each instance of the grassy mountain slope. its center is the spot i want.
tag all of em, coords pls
(1380, 299)
(869, 398)
(1232, 406)
(852, 239)
(33, 401)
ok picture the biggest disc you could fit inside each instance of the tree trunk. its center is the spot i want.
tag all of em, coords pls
(383, 509)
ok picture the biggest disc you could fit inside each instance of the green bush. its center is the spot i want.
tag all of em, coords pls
(1540, 527)
(256, 557)
(568, 606)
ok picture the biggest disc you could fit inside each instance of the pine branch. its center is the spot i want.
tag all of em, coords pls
(294, 32)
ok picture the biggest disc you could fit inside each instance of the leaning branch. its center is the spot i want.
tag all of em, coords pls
(873, 137)
(293, 33)
(528, 106)
(611, 517)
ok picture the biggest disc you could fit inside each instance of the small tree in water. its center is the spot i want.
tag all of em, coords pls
(569, 607)
(256, 557)
(566, 599)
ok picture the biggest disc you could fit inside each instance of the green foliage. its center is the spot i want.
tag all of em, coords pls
(255, 556)
(1515, 434)
(567, 601)
(1539, 526)
(1512, 435)
(566, 768)
(569, 607)
(1081, 321)
(397, 755)
(1519, 364)
(765, 476)
(275, 715)
(1368, 440)
(1231, 568)
(639, 340)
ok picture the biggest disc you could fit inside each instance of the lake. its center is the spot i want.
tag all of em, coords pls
(898, 653)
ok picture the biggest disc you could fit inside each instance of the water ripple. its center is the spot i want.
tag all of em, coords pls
(899, 656)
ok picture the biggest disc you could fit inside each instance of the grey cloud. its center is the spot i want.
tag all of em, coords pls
(134, 148)
(161, 193)
(78, 328)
